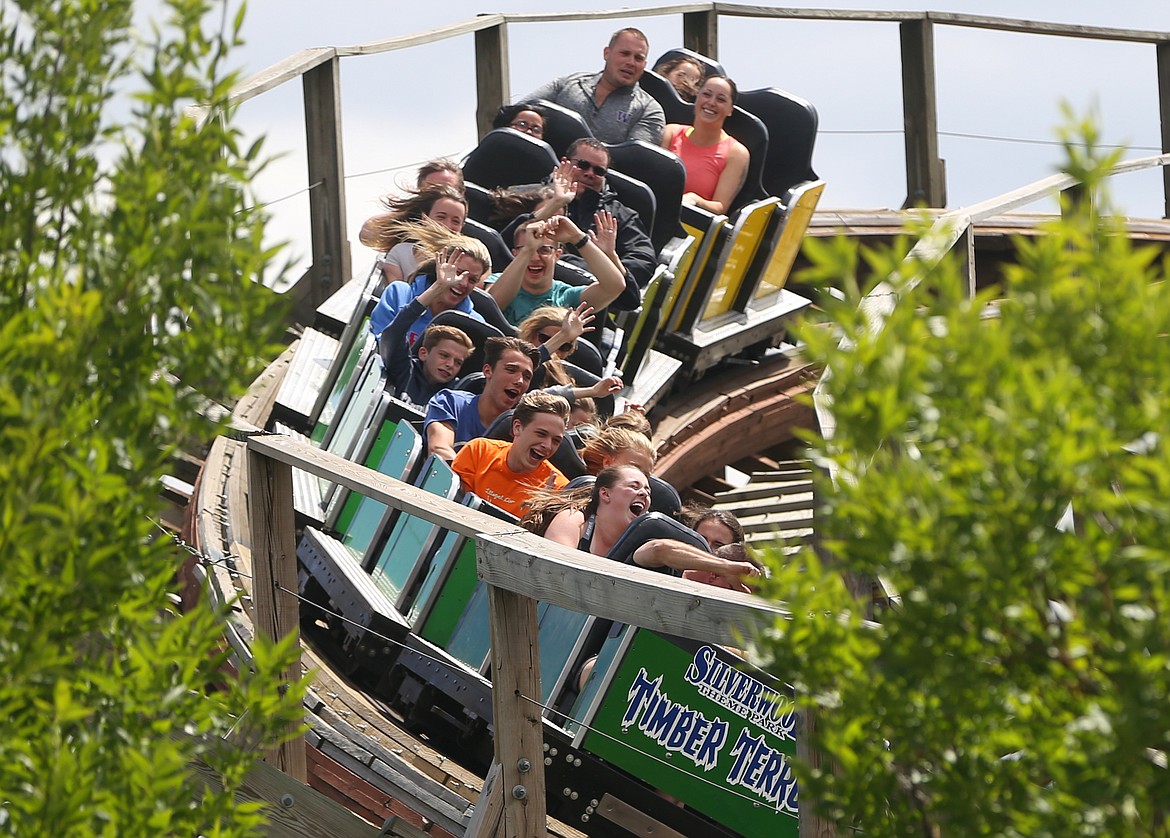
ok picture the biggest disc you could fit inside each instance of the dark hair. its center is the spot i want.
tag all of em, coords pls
(509, 203)
(590, 142)
(496, 346)
(507, 113)
(440, 164)
(693, 516)
(730, 84)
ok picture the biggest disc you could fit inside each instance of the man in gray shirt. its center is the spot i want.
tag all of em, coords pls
(611, 102)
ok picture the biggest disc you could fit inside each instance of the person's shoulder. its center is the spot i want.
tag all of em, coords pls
(449, 399)
(670, 130)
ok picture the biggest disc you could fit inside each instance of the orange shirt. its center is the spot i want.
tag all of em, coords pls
(482, 466)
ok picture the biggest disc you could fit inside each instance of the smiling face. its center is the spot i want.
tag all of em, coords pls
(442, 362)
(508, 380)
(628, 498)
(625, 61)
(713, 104)
(535, 442)
(538, 275)
(451, 214)
(462, 289)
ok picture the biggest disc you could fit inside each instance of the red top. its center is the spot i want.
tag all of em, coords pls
(704, 164)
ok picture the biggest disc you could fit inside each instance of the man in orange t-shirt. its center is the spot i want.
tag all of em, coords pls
(506, 473)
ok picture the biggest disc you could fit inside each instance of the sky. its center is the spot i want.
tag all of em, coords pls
(1000, 94)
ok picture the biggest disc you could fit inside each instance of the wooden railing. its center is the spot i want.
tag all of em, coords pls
(318, 70)
(519, 568)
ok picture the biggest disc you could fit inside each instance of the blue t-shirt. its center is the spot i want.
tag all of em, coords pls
(396, 296)
(525, 302)
(458, 408)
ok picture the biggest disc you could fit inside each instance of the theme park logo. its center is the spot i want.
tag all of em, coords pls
(754, 764)
(742, 694)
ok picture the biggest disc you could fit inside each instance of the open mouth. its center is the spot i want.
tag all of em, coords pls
(513, 394)
(637, 507)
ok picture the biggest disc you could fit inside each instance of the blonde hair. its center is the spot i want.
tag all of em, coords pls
(602, 447)
(413, 206)
(529, 328)
(433, 238)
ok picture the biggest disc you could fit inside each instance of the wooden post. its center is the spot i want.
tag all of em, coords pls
(701, 32)
(491, 75)
(967, 243)
(812, 825)
(331, 257)
(519, 745)
(925, 180)
(274, 566)
(1164, 118)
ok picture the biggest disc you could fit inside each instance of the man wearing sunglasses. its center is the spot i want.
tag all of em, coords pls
(581, 195)
(611, 102)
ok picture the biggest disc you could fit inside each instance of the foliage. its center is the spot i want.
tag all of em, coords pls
(1002, 463)
(126, 258)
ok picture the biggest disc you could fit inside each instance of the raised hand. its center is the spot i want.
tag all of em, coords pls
(576, 322)
(604, 234)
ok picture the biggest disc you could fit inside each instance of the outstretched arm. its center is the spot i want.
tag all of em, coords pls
(664, 552)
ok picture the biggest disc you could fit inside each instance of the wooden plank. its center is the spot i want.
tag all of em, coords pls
(274, 577)
(558, 575)
(429, 36)
(519, 730)
(379, 487)
(295, 66)
(489, 812)
(293, 808)
(491, 75)
(635, 821)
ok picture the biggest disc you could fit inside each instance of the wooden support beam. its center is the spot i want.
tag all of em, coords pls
(519, 736)
(966, 244)
(1164, 118)
(491, 75)
(294, 809)
(701, 32)
(331, 257)
(274, 567)
(925, 179)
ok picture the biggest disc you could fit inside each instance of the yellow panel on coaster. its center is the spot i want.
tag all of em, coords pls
(738, 253)
(775, 275)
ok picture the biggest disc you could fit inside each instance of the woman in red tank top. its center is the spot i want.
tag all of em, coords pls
(716, 163)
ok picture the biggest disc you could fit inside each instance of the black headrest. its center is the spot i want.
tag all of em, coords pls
(650, 526)
(485, 306)
(500, 252)
(562, 126)
(472, 382)
(664, 497)
(477, 330)
(507, 158)
(663, 174)
(587, 357)
(674, 107)
(479, 203)
(792, 133)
